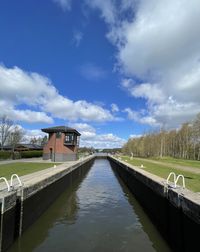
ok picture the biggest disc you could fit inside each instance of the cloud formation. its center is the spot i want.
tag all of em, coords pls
(114, 107)
(92, 72)
(77, 37)
(64, 4)
(89, 137)
(157, 44)
(40, 101)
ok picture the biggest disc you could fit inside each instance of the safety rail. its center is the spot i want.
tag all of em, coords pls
(6, 181)
(176, 179)
(11, 187)
(183, 180)
(174, 175)
(11, 180)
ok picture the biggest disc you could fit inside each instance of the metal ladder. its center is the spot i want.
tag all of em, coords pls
(11, 180)
(11, 187)
(175, 180)
(6, 182)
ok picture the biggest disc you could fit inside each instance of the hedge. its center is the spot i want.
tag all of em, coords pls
(30, 154)
(5, 155)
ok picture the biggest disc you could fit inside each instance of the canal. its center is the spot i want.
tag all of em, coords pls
(96, 213)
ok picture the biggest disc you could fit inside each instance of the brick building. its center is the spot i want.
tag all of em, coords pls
(62, 144)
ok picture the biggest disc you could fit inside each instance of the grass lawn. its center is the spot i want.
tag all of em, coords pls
(192, 181)
(183, 162)
(21, 168)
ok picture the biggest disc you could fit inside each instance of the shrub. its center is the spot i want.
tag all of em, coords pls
(30, 154)
(5, 155)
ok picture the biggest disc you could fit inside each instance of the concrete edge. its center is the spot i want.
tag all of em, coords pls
(186, 200)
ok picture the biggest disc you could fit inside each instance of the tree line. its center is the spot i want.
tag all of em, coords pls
(11, 135)
(178, 143)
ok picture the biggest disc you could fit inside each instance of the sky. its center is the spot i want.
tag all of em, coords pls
(112, 69)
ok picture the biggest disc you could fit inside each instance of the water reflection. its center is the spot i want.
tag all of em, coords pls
(63, 210)
(157, 241)
(96, 213)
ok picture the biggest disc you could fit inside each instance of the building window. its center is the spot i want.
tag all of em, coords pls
(69, 137)
(78, 140)
(58, 134)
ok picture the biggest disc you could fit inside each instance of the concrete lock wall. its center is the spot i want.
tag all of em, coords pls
(176, 215)
(8, 220)
(21, 208)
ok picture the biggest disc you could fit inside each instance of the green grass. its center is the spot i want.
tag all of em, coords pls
(183, 162)
(21, 168)
(192, 180)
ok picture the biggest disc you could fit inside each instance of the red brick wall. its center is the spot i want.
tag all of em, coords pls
(57, 144)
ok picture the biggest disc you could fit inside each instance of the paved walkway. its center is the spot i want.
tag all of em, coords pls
(34, 160)
(39, 175)
(174, 166)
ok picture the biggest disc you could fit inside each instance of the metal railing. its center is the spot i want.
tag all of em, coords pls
(175, 180)
(174, 175)
(183, 180)
(6, 182)
(11, 187)
(11, 180)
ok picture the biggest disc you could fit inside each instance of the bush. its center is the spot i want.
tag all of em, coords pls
(5, 155)
(16, 155)
(31, 154)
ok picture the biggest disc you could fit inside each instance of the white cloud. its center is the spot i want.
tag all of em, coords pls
(35, 133)
(90, 71)
(114, 107)
(32, 90)
(106, 7)
(77, 37)
(158, 39)
(139, 117)
(173, 113)
(90, 138)
(87, 131)
(158, 43)
(64, 4)
(135, 136)
(151, 92)
(104, 141)
(26, 115)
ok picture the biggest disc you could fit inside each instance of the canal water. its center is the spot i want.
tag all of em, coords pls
(96, 213)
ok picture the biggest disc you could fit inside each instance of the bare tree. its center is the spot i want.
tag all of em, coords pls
(5, 129)
(196, 133)
(33, 140)
(15, 137)
(180, 143)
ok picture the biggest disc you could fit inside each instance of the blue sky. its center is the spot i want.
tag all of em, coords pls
(112, 69)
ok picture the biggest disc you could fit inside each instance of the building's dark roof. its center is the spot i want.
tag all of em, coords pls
(63, 129)
(30, 146)
(25, 146)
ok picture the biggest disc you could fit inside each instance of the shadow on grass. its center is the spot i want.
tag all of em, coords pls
(188, 177)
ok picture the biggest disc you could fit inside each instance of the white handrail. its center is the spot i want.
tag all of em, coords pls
(171, 173)
(183, 180)
(11, 180)
(6, 181)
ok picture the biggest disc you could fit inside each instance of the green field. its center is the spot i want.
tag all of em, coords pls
(21, 168)
(183, 162)
(192, 180)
